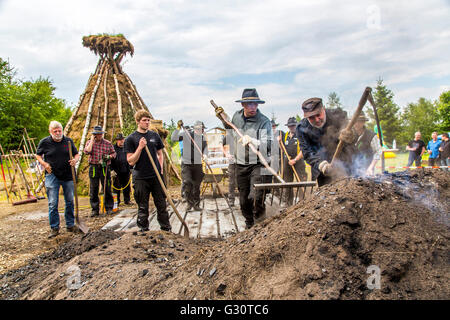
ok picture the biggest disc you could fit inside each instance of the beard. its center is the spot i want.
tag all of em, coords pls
(57, 137)
(323, 122)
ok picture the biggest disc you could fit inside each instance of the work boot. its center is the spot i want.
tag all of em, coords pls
(109, 212)
(94, 214)
(73, 229)
(197, 208)
(189, 207)
(53, 233)
(143, 229)
(231, 202)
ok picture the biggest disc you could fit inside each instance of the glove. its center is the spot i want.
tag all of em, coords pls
(245, 140)
(347, 136)
(220, 113)
(106, 157)
(179, 124)
(326, 168)
(113, 174)
(204, 157)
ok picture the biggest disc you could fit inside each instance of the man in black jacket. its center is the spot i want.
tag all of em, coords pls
(191, 163)
(121, 178)
(319, 132)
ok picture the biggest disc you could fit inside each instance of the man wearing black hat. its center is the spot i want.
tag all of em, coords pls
(100, 153)
(191, 161)
(256, 129)
(296, 162)
(121, 175)
(319, 132)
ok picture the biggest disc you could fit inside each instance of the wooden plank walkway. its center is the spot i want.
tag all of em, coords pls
(215, 220)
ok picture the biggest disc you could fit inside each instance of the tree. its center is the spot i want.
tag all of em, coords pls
(443, 106)
(421, 116)
(27, 104)
(334, 101)
(388, 112)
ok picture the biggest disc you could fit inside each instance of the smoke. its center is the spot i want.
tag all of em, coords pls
(418, 188)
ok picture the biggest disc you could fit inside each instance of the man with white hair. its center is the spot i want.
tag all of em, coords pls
(53, 154)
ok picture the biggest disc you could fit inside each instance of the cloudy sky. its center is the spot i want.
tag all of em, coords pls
(189, 52)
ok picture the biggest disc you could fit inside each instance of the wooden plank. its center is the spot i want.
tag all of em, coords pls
(209, 223)
(227, 227)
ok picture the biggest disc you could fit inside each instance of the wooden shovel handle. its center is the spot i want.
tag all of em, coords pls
(169, 198)
(361, 104)
(260, 156)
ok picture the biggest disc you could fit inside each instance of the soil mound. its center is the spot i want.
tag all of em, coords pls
(322, 248)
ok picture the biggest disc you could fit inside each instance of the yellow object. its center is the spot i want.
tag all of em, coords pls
(115, 206)
(389, 154)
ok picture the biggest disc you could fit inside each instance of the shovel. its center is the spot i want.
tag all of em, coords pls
(169, 198)
(80, 223)
(361, 104)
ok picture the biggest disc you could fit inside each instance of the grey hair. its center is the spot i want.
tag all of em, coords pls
(54, 124)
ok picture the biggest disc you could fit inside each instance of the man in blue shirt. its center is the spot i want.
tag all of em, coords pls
(433, 149)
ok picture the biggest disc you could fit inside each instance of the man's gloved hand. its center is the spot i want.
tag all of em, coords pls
(348, 136)
(245, 140)
(220, 113)
(204, 157)
(326, 168)
(113, 174)
(179, 124)
(106, 157)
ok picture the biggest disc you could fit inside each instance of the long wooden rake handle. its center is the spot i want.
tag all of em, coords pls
(169, 198)
(289, 159)
(260, 156)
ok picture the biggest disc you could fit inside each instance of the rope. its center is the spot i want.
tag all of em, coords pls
(112, 185)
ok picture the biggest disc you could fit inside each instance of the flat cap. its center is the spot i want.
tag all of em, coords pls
(311, 107)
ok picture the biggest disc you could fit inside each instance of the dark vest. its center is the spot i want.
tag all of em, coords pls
(365, 152)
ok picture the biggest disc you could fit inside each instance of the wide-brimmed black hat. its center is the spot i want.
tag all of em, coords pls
(199, 123)
(273, 123)
(250, 95)
(120, 136)
(98, 130)
(292, 121)
(311, 107)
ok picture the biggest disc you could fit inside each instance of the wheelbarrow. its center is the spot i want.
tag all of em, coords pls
(208, 180)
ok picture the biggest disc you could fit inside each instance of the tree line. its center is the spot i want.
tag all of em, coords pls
(27, 104)
(424, 115)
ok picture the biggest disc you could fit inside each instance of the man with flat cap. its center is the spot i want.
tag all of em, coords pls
(122, 172)
(296, 162)
(256, 128)
(191, 161)
(319, 132)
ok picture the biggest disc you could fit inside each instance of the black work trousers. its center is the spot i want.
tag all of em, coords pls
(119, 182)
(252, 202)
(142, 190)
(97, 176)
(288, 176)
(192, 175)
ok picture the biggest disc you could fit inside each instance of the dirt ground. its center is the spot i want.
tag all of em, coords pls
(322, 248)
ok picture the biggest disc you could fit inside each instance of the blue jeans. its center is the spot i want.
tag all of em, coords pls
(53, 185)
(445, 162)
